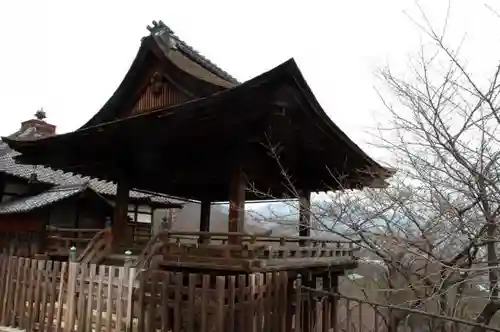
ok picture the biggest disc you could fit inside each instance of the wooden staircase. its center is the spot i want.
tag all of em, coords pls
(98, 248)
(106, 249)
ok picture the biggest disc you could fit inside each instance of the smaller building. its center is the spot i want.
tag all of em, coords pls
(34, 198)
(70, 206)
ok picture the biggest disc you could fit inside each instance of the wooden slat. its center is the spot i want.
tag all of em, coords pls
(99, 308)
(60, 297)
(204, 303)
(231, 302)
(275, 302)
(242, 307)
(80, 305)
(16, 291)
(69, 320)
(25, 288)
(219, 304)
(141, 302)
(109, 298)
(44, 293)
(191, 302)
(251, 303)
(164, 307)
(178, 303)
(56, 271)
(151, 306)
(284, 305)
(259, 314)
(3, 281)
(119, 301)
(90, 296)
(298, 306)
(8, 291)
(131, 273)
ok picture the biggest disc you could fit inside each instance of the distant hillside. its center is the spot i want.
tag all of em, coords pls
(188, 219)
(280, 218)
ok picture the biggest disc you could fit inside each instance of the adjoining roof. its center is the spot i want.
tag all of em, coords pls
(59, 178)
(56, 194)
(190, 131)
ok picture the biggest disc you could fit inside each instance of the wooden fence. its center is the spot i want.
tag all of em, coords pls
(39, 295)
(359, 315)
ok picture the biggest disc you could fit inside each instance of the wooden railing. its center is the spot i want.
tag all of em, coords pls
(59, 239)
(196, 249)
(98, 248)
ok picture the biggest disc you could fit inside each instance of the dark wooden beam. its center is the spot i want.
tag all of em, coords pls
(121, 209)
(304, 214)
(204, 220)
(237, 203)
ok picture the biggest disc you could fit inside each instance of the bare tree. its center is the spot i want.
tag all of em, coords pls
(436, 228)
(434, 231)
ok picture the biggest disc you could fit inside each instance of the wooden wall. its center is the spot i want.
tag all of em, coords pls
(159, 93)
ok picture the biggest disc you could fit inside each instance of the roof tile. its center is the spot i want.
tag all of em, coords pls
(45, 198)
(58, 177)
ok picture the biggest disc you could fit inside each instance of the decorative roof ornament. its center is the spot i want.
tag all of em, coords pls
(159, 28)
(40, 114)
(162, 31)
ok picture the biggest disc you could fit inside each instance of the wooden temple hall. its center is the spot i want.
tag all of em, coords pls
(181, 126)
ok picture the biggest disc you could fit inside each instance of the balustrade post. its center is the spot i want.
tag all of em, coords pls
(72, 254)
(128, 261)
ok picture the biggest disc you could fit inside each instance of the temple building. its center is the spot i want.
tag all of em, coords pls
(180, 126)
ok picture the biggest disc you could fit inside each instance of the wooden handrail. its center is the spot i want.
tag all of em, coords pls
(99, 246)
(73, 230)
(221, 236)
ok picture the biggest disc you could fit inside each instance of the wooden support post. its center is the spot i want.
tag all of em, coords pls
(204, 221)
(304, 215)
(120, 212)
(334, 288)
(308, 308)
(237, 204)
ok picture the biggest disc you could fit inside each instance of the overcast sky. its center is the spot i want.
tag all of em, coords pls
(69, 56)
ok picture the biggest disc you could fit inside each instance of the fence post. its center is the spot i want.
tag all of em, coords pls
(69, 321)
(129, 279)
(72, 254)
(128, 259)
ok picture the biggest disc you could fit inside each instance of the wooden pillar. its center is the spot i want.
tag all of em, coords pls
(121, 209)
(204, 221)
(304, 215)
(237, 204)
(308, 308)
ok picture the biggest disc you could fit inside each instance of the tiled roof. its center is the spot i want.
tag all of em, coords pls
(160, 27)
(45, 198)
(4, 148)
(56, 177)
(202, 61)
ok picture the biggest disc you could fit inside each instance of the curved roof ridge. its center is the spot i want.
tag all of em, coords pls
(204, 61)
(160, 27)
